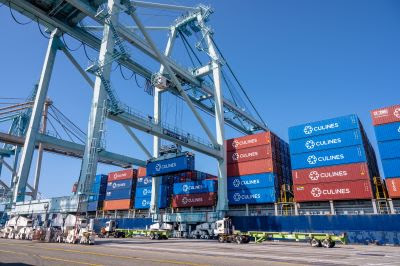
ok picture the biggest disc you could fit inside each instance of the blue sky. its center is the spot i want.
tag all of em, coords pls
(299, 61)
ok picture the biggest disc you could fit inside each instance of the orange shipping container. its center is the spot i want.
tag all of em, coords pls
(393, 187)
(250, 154)
(251, 167)
(122, 175)
(111, 205)
(141, 172)
(249, 141)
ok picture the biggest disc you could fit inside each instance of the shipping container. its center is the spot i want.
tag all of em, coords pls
(346, 155)
(123, 204)
(252, 196)
(196, 187)
(324, 142)
(162, 167)
(143, 191)
(144, 203)
(260, 139)
(393, 187)
(337, 173)
(391, 167)
(327, 126)
(194, 200)
(252, 181)
(349, 190)
(386, 115)
(252, 167)
(120, 184)
(100, 179)
(94, 206)
(144, 181)
(389, 149)
(100, 197)
(121, 175)
(249, 154)
(141, 172)
(120, 194)
(387, 132)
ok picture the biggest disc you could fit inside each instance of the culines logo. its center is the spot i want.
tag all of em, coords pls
(158, 167)
(312, 159)
(236, 183)
(146, 181)
(314, 175)
(308, 130)
(236, 196)
(235, 143)
(316, 192)
(185, 188)
(310, 144)
(146, 191)
(144, 202)
(185, 200)
(397, 112)
(235, 156)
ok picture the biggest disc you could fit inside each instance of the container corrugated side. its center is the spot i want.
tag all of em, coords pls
(387, 132)
(337, 173)
(249, 154)
(249, 141)
(326, 126)
(252, 181)
(163, 167)
(252, 196)
(120, 184)
(194, 200)
(391, 167)
(119, 194)
(393, 187)
(329, 141)
(251, 167)
(203, 186)
(123, 204)
(389, 149)
(346, 155)
(386, 115)
(349, 190)
(121, 175)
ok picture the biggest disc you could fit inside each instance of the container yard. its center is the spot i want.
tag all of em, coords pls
(144, 138)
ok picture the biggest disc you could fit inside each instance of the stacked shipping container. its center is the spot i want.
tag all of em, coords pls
(98, 193)
(387, 130)
(332, 160)
(201, 193)
(257, 167)
(120, 190)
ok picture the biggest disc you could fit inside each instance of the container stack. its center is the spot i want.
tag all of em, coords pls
(258, 165)
(98, 193)
(120, 190)
(332, 160)
(387, 130)
(200, 193)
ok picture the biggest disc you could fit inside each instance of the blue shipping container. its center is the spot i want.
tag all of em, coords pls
(144, 181)
(181, 163)
(98, 188)
(144, 203)
(325, 142)
(120, 184)
(346, 155)
(100, 179)
(389, 149)
(324, 127)
(196, 187)
(387, 132)
(251, 181)
(252, 196)
(93, 206)
(119, 194)
(143, 191)
(391, 167)
(99, 197)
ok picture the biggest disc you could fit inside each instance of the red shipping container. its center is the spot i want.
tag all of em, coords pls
(194, 200)
(393, 187)
(386, 115)
(111, 205)
(141, 172)
(351, 190)
(251, 167)
(122, 175)
(337, 173)
(249, 154)
(248, 141)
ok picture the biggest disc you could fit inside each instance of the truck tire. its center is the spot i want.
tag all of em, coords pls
(246, 239)
(332, 244)
(157, 236)
(326, 243)
(221, 239)
(239, 239)
(152, 236)
(315, 243)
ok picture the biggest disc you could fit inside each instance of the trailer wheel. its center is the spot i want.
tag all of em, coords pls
(221, 239)
(164, 237)
(332, 244)
(326, 243)
(157, 236)
(239, 239)
(315, 243)
(152, 236)
(246, 239)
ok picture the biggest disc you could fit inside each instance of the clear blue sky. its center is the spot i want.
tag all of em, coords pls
(299, 61)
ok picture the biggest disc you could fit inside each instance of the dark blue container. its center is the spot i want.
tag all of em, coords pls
(391, 167)
(119, 194)
(99, 197)
(387, 132)
(389, 149)
(196, 187)
(252, 196)
(181, 163)
(251, 181)
(120, 184)
(325, 142)
(100, 179)
(143, 197)
(93, 205)
(144, 181)
(99, 188)
(346, 155)
(327, 126)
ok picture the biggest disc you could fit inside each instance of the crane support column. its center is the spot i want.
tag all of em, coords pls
(157, 118)
(34, 123)
(97, 117)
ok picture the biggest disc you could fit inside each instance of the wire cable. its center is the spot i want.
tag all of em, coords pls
(37, 19)
(86, 54)
(12, 15)
(66, 46)
(137, 83)
(122, 73)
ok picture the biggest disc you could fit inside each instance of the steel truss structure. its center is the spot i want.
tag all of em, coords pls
(66, 17)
